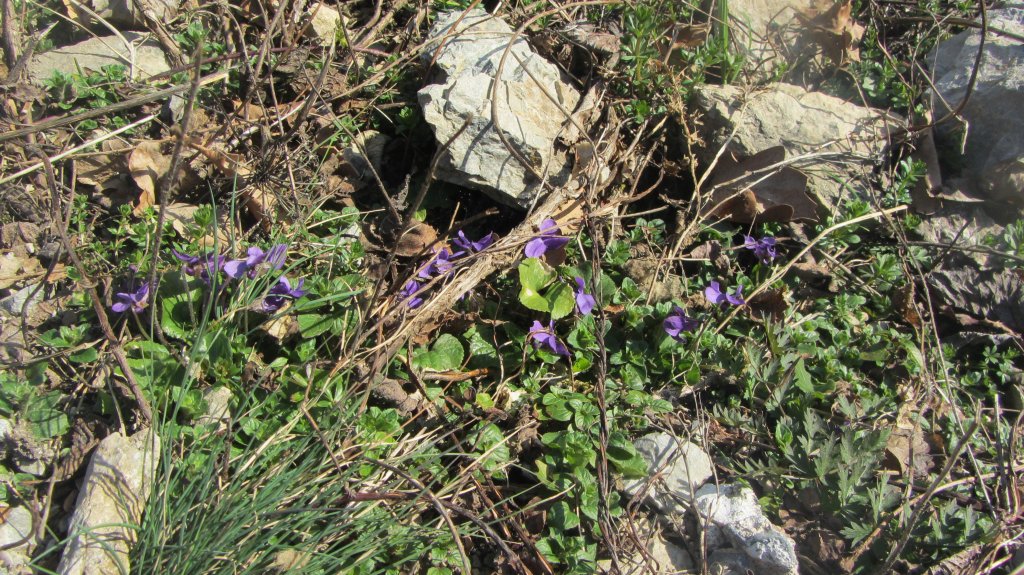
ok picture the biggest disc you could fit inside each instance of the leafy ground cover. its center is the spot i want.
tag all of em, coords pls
(422, 381)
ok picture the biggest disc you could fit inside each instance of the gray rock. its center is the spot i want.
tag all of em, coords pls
(94, 53)
(17, 525)
(992, 162)
(113, 496)
(662, 556)
(766, 32)
(730, 562)
(123, 14)
(322, 25)
(843, 137)
(676, 470)
(732, 518)
(668, 558)
(366, 150)
(27, 453)
(529, 119)
(974, 284)
(13, 303)
(218, 408)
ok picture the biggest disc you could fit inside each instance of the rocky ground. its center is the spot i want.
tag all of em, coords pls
(558, 288)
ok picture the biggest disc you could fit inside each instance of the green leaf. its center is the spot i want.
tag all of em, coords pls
(534, 275)
(176, 313)
(87, 355)
(45, 420)
(533, 300)
(313, 324)
(561, 517)
(490, 440)
(558, 411)
(446, 354)
(53, 338)
(802, 378)
(624, 456)
(482, 352)
(560, 301)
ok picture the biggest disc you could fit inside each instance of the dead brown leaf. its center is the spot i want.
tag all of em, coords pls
(748, 190)
(20, 238)
(183, 219)
(898, 449)
(598, 40)
(281, 327)
(416, 240)
(14, 269)
(907, 450)
(903, 302)
(769, 303)
(261, 204)
(712, 252)
(833, 28)
(227, 163)
(147, 165)
(103, 170)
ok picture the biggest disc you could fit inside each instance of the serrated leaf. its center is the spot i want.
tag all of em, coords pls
(802, 378)
(53, 338)
(446, 354)
(560, 301)
(489, 442)
(313, 324)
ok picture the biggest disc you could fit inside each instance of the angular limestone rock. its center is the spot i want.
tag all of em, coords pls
(992, 162)
(17, 526)
(766, 32)
(218, 408)
(533, 106)
(845, 138)
(733, 519)
(113, 496)
(94, 53)
(123, 14)
(323, 22)
(676, 470)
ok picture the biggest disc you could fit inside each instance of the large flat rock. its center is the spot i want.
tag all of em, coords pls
(114, 493)
(94, 53)
(989, 129)
(534, 103)
(834, 137)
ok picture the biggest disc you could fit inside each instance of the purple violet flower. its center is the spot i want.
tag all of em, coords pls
(280, 293)
(191, 266)
(272, 259)
(135, 301)
(585, 302)
(203, 267)
(764, 248)
(546, 336)
(677, 322)
(409, 293)
(441, 264)
(549, 238)
(470, 246)
(716, 296)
